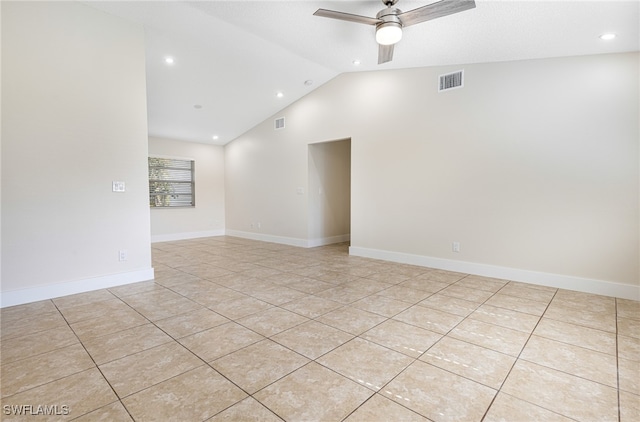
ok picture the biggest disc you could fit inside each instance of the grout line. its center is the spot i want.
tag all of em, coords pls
(618, 365)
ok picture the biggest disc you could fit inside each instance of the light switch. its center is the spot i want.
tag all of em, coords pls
(118, 187)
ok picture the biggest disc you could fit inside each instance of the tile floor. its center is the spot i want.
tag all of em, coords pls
(233, 329)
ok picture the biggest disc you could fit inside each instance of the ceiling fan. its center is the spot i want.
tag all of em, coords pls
(390, 20)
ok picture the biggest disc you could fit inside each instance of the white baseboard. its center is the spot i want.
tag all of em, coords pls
(291, 241)
(50, 291)
(322, 241)
(186, 235)
(586, 285)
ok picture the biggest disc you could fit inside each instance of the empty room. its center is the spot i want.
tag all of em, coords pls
(397, 210)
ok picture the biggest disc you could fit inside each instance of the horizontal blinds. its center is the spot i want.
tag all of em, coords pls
(171, 182)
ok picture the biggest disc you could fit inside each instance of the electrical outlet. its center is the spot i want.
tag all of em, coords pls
(455, 246)
(122, 255)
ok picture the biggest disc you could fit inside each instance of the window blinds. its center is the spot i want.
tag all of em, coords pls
(171, 183)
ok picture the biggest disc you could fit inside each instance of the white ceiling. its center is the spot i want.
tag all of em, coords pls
(232, 57)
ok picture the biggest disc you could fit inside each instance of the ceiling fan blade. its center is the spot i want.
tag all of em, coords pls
(347, 17)
(385, 53)
(435, 10)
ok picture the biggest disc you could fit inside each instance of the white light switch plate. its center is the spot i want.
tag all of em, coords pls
(118, 187)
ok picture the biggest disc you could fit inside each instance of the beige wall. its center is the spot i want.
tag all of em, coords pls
(207, 217)
(532, 167)
(73, 120)
(262, 185)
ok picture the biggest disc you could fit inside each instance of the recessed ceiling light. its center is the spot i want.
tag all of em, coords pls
(608, 36)
(198, 106)
(168, 60)
(279, 95)
(356, 62)
(215, 137)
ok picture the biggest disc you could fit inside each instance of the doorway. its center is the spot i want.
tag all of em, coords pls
(329, 192)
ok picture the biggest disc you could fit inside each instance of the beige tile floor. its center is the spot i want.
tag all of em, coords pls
(233, 329)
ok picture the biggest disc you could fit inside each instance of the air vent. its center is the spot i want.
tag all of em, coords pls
(451, 81)
(279, 123)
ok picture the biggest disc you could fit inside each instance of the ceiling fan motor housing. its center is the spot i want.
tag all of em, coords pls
(389, 31)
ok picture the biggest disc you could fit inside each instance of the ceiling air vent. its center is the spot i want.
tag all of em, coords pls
(279, 123)
(451, 81)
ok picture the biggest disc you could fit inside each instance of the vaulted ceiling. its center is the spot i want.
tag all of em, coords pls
(231, 58)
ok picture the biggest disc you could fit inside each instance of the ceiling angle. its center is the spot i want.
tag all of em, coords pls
(390, 20)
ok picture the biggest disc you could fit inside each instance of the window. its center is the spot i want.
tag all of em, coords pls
(171, 183)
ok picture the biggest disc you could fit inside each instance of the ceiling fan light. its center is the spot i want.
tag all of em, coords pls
(388, 33)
